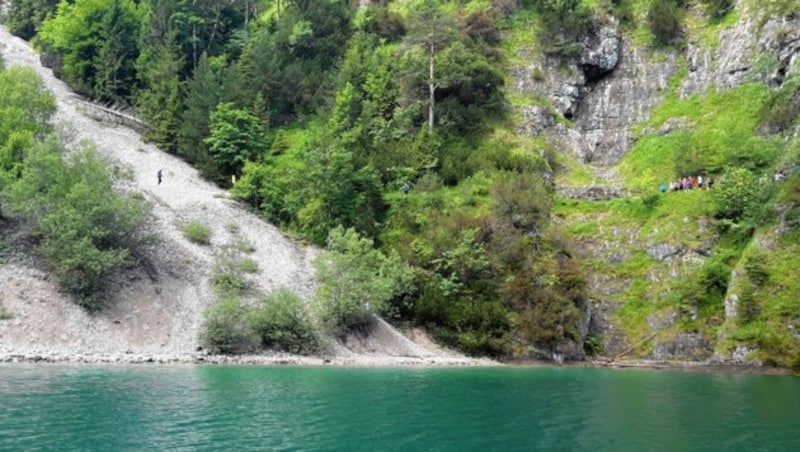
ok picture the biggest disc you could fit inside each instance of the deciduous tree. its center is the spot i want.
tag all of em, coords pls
(236, 137)
(356, 280)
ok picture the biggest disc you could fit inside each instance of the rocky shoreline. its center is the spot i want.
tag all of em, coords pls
(272, 359)
(371, 361)
(649, 364)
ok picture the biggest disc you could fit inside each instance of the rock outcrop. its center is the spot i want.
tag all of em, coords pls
(685, 346)
(753, 49)
(589, 105)
(565, 82)
(603, 123)
(606, 90)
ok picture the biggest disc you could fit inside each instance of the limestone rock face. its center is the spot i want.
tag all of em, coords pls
(612, 86)
(740, 355)
(601, 51)
(664, 251)
(732, 62)
(566, 84)
(605, 90)
(536, 119)
(589, 105)
(602, 131)
(593, 192)
(731, 307)
(685, 346)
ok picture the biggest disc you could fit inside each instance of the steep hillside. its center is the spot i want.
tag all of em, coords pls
(665, 270)
(504, 168)
(155, 310)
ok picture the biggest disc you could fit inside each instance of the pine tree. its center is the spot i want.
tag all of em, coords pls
(431, 29)
(201, 94)
(159, 102)
(117, 52)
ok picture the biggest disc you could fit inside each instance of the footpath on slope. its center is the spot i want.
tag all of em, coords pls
(155, 311)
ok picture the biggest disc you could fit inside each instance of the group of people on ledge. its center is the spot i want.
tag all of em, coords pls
(689, 183)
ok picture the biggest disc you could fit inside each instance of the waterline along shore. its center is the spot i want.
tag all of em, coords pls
(367, 361)
(269, 359)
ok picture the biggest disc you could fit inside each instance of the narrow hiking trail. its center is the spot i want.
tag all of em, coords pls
(158, 309)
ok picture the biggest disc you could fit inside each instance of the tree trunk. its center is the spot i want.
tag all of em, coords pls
(431, 87)
(194, 41)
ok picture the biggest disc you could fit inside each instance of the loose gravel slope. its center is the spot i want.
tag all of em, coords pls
(155, 311)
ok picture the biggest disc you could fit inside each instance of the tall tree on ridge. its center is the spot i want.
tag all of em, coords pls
(432, 29)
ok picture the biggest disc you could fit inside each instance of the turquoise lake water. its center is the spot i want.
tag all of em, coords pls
(60, 407)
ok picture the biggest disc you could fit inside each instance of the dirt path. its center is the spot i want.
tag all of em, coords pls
(159, 313)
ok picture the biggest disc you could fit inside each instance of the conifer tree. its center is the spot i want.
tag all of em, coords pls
(117, 52)
(159, 101)
(431, 29)
(26, 16)
(201, 94)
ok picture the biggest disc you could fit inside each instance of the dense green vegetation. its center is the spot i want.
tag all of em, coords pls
(742, 223)
(85, 229)
(316, 113)
(356, 282)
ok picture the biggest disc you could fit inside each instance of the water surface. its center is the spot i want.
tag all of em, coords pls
(309, 408)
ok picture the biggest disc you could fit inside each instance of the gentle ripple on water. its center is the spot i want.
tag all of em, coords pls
(285, 408)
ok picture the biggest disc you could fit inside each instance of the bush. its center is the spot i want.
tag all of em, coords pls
(592, 344)
(794, 363)
(482, 26)
(383, 22)
(248, 266)
(755, 266)
(505, 158)
(664, 19)
(748, 308)
(227, 278)
(87, 231)
(228, 283)
(197, 232)
(281, 323)
(782, 109)
(236, 136)
(737, 196)
(26, 16)
(458, 287)
(244, 246)
(714, 278)
(562, 22)
(717, 8)
(356, 281)
(522, 201)
(226, 329)
(3, 313)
